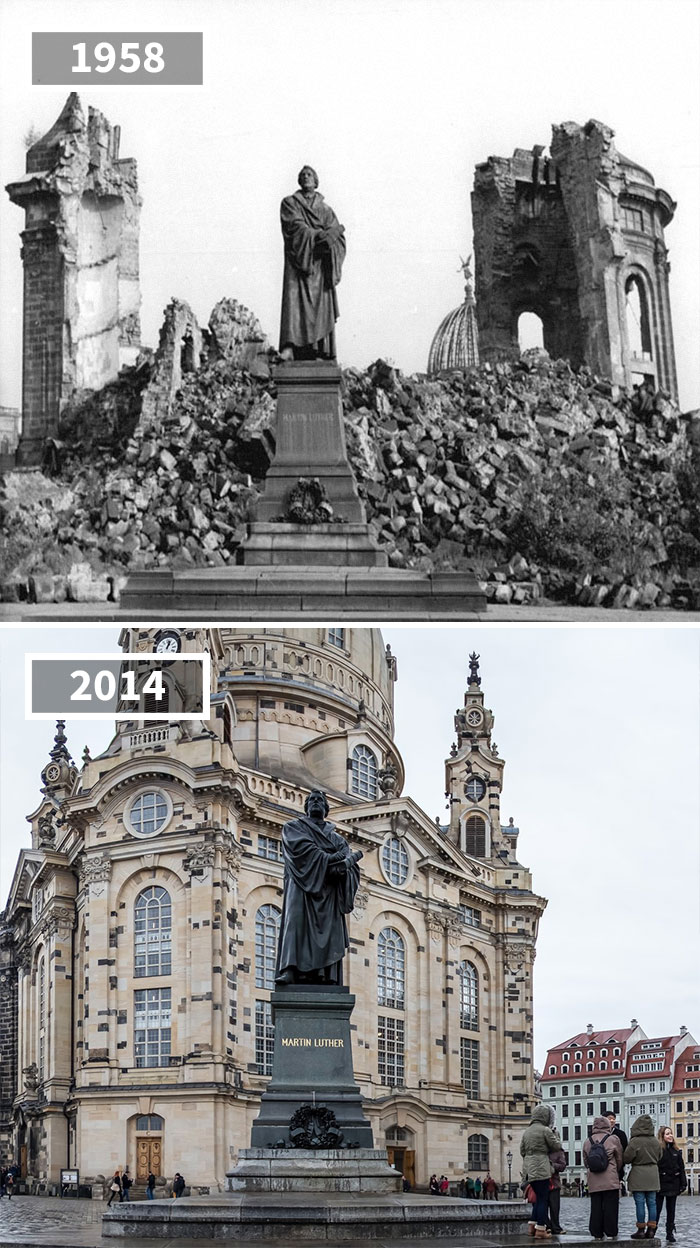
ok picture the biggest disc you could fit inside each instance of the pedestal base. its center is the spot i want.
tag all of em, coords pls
(313, 1170)
(311, 1065)
(330, 545)
(287, 593)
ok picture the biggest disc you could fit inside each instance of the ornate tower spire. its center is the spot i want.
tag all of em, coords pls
(60, 773)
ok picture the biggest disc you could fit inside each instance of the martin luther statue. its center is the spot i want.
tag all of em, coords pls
(314, 250)
(321, 877)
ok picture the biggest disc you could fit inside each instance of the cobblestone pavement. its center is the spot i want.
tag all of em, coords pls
(544, 613)
(49, 1222)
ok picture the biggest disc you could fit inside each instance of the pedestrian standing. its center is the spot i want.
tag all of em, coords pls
(115, 1187)
(434, 1186)
(489, 1186)
(477, 1188)
(602, 1157)
(9, 1184)
(559, 1162)
(537, 1142)
(672, 1180)
(444, 1185)
(126, 1182)
(178, 1185)
(150, 1186)
(470, 1187)
(642, 1155)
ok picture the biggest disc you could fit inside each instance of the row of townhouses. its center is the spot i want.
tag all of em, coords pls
(623, 1070)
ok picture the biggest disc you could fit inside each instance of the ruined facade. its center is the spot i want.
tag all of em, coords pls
(127, 1041)
(80, 251)
(577, 238)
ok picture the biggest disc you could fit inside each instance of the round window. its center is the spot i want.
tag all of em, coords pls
(395, 861)
(149, 813)
(475, 788)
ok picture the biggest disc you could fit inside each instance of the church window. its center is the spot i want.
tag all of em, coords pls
(390, 1050)
(391, 969)
(469, 1063)
(149, 1122)
(269, 847)
(267, 930)
(477, 1153)
(469, 996)
(475, 836)
(637, 316)
(364, 772)
(157, 703)
(475, 789)
(148, 813)
(336, 637)
(264, 1037)
(152, 932)
(42, 1020)
(395, 861)
(470, 916)
(152, 1027)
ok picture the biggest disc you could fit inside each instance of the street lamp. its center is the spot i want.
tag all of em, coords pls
(509, 1159)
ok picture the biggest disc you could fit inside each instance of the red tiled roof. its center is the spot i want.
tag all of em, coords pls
(641, 1052)
(686, 1058)
(583, 1040)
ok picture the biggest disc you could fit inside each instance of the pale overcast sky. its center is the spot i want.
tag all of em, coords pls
(394, 102)
(599, 729)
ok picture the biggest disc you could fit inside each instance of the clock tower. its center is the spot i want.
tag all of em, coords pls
(474, 778)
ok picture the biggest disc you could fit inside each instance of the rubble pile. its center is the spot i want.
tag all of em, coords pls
(548, 482)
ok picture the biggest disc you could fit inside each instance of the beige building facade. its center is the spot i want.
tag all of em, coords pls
(141, 927)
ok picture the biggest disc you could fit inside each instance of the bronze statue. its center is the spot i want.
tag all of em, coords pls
(321, 877)
(314, 250)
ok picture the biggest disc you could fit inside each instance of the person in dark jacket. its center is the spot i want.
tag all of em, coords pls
(126, 1182)
(115, 1187)
(559, 1162)
(150, 1186)
(642, 1155)
(672, 1180)
(604, 1185)
(612, 1119)
(178, 1184)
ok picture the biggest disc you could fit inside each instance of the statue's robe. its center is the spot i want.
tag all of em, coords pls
(321, 878)
(312, 268)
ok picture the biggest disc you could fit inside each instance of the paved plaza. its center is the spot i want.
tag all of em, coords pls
(53, 1223)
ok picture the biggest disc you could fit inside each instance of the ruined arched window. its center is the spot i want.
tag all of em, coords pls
(637, 315)
(530, 331)
(475, 836)
(267, 930)
(469, 996)
(391, 969)
(364, 772)
(152, 932)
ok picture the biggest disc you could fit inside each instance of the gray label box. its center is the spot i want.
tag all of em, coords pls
(89, 687)
(72, 59)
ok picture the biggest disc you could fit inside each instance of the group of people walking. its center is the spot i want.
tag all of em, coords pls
(656, 1176)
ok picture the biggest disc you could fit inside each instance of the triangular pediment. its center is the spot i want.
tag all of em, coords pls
(403, 817)
(27, 868)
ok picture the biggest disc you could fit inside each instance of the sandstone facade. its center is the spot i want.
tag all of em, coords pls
(150, 1045)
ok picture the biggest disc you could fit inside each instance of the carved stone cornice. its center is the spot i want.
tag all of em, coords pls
(95, 871)
(199, 858)
(58, 922)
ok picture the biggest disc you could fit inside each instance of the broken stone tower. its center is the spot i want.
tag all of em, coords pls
(80, 250)
(577, 238)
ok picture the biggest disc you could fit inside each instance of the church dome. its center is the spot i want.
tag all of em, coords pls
(456, 343)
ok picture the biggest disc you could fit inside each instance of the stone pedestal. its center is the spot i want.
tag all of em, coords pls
(312, 1065)
(314, 1170)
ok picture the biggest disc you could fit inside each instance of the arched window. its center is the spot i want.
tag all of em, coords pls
(577, 1068)
(364, 772)
(475, 836)
(395, 860)
(477, 1153)
(530, 331)
(42, 1020)
(565, 1069)
(267, 930)
(637, 316)
(152, 932)
(154, 705)
(391, 969)
(469, 996)
(149, 1122)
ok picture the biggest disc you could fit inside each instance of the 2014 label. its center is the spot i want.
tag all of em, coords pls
(104, 686)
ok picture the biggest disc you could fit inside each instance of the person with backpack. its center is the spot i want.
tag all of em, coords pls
(672, 1180)
(643, 1154)
(537, 1142)
(602, 1157)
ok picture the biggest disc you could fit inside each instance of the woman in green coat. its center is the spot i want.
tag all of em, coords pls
(642, 1154)
(537, 1142)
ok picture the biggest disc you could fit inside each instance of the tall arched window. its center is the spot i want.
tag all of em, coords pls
(267, 930)
(152, 932)
(637, 316)
(42, 1020)
(364, 772)
(469, 996)
(475, 836)
(477, 1152)
(530, 331)
(391, 969)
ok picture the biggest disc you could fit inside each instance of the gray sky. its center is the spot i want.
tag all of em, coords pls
(394, 102)
(599, 729)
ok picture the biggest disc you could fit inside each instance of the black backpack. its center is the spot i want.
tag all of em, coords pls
(598, 1159)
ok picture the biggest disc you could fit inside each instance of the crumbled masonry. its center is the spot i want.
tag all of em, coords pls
(547, 480)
